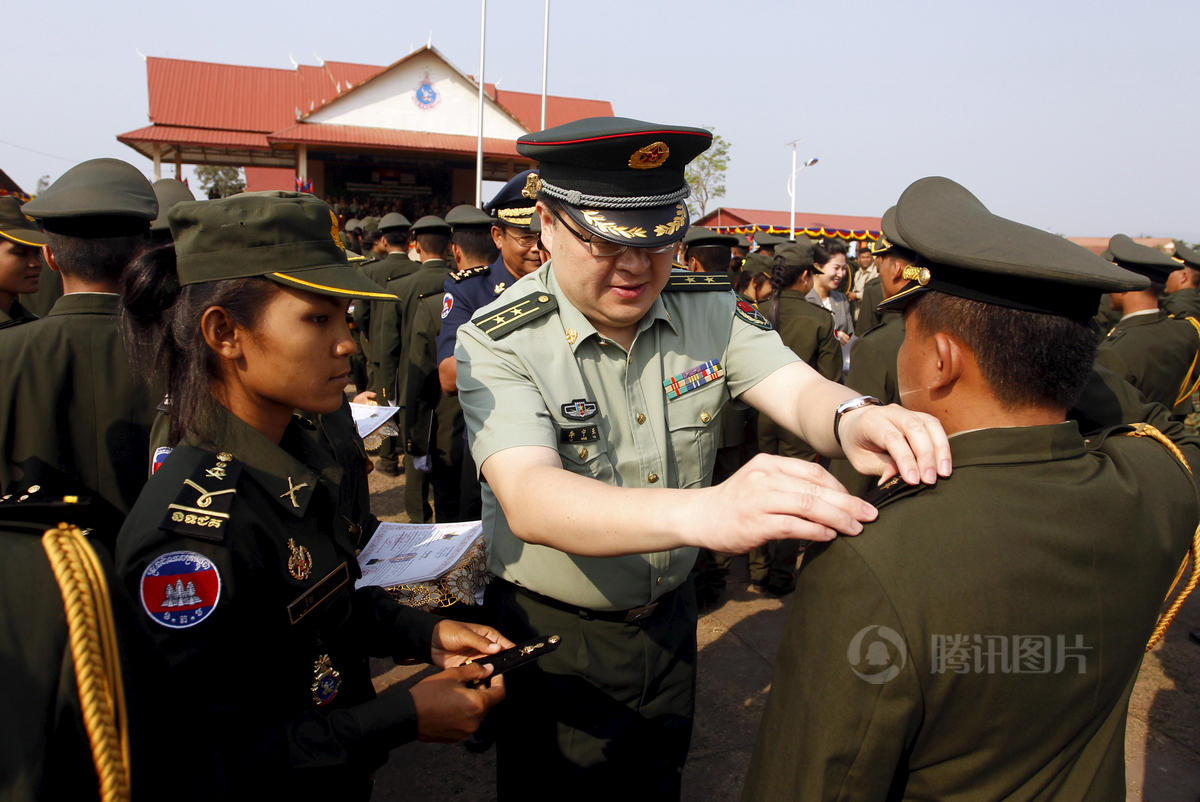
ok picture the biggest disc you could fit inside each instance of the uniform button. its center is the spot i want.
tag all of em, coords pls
(652, 478)
(705, 417)
(641, 418)
(658, 581)
(583, 453)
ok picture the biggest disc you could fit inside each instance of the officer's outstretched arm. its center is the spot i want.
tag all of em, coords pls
(878, 440)
(768, 498)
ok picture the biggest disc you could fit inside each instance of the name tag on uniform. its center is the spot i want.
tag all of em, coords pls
(579, 434)
(318, 593)
(689, 380)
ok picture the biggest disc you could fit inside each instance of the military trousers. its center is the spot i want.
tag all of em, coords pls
(606, 716)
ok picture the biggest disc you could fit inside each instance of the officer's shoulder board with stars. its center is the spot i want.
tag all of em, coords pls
(686, 281)
(201, 507)
(891, 490)
(470, 272)
(507, 319)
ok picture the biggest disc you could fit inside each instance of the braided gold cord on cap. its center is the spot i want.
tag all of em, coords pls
(1165, 620)
(92, 634)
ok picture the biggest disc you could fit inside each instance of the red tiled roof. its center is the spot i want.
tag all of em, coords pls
(173, 134)
(362, 136)
(1100, 244)
(764, 218)
(233, 97)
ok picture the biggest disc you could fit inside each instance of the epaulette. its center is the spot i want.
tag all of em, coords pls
(438, 292)
(891, 490)
(40, 511)
(1139, 430)
(508, 319)
(684, 281)
(201, 508)
(470, 272)
(16, 321)
(1114, 335)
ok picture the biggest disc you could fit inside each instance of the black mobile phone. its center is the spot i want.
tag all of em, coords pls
(517, 656)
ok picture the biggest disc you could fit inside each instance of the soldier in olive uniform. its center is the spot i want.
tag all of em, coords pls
(592, 393)
(20, 262)
(808, 330)
(373, 319)
(433, 418)
(1182, 294)
(1148, 347)
(761, 259)
(72, 417)
(982, 637)
(238, 550)
(431, 235)
(168, 192)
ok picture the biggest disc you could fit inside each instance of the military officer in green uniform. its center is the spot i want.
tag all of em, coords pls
(20, 262)
(168, 192)
(239, 552)
(1148, 347)
(72, 418)
(431, 236)
(760, 259)
(981, 638)
(808, 330)
(592, 392)
(1182, 294)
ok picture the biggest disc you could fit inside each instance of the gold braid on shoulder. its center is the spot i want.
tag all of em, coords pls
(1164, 620)
(1192, 380)
(92, 634)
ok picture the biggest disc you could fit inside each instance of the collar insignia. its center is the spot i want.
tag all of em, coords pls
(290, 493)
(533, 185)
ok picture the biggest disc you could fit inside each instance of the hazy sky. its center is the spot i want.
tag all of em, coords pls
(1077, 117)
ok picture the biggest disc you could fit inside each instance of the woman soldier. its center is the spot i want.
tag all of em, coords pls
(809, 331)
(243, 566)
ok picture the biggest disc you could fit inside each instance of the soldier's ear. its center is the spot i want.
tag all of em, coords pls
(547, 221)
(952, 356)
(48, 255)
(220, 333)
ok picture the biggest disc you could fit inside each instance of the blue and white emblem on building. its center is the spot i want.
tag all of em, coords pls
(426, 96)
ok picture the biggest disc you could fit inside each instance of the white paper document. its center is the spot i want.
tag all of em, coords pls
(404, 554)
(368, 417)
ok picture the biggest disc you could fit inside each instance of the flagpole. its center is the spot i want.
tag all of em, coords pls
(545, 61)
(479, 145)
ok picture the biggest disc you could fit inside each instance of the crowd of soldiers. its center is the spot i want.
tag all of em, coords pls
(944, 433)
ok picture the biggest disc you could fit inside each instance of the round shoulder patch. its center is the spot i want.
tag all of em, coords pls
(180, 589)
(447, 304)
(746, 311)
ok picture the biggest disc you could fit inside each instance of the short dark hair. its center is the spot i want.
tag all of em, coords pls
(160, 322)
(713, 258)
(95, 259)
(434, 243)
(1027, 358)
(476, 243)
(396, 238)
(827, 249)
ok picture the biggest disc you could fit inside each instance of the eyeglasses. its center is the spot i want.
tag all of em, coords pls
(524, 240)
(603, 248)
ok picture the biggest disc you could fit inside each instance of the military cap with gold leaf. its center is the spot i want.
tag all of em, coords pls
(16, 227)
(291, 238)
(1186, 255)
(169, 192)
(98, 197)
(964, 250)
(620, 179)
(467, 216)
(1141, 259)
(890, 239)
(513, 205)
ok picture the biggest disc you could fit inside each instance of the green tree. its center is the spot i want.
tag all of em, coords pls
(706, 175)
(220, 182)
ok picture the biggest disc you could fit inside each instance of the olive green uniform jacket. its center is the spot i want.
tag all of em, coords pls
(981, 638)
(395, 320)
(15, 315)
(73, 419)
(868, 312)
(1155, 353)
(808, 330)
(263, 523)
(1183, 302)
(374, 320)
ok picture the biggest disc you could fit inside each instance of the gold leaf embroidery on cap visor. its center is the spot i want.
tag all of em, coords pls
(603, 225)
(673, 226)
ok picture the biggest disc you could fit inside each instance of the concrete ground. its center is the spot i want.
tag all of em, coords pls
(738, 641)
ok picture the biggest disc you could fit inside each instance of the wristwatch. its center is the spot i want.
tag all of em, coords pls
(849, 405)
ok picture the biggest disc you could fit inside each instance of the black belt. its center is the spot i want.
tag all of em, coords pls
(631, 616)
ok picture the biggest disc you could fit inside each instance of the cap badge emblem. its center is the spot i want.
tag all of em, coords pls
(533, 185)
(300, 563)
(335, 230)
(649, 157)
(920, 275)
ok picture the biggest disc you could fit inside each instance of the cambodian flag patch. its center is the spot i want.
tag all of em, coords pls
(447, 304)
(160, 456)
(695, 377)
(180, 589)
